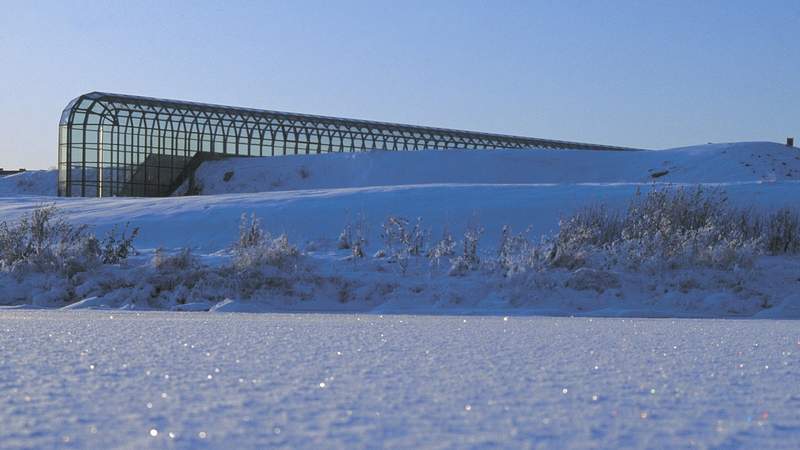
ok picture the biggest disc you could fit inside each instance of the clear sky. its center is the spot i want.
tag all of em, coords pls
(650, 74)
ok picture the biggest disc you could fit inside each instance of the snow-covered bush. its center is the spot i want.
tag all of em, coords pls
(116, 248)
(182, 260)
(444, 248)
(515, 252)
(250, 233)
(354, 237)
(179, 278)
(400, 239)
(468, 259)
(670, 228)
(581, 234)
(782, 232)
(45, 242)
(256, 248)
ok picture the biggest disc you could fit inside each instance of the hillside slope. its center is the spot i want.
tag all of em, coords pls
(32, 182)
(714, 163)
(315, 198)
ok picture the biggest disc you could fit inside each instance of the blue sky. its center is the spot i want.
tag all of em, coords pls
(650, 74)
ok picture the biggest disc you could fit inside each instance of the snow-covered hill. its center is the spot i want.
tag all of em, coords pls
(314, 198)
(714, 163)
(32, 182)
(711, 163)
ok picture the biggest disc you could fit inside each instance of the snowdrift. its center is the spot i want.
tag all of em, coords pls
(714, 163)
(32, 182)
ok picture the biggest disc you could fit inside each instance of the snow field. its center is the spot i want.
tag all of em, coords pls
(116, 379)
(712, 163)
(32, 182)
(267, 273)
(715, 163)
(314, 208)
(440, 361)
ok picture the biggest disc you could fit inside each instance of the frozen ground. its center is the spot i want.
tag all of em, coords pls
(210, 380)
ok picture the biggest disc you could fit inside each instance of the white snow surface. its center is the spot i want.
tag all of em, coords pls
(31, 182)
(112, 379)
(710, 163)
(421, 359)
(312, 198)
(713, 163)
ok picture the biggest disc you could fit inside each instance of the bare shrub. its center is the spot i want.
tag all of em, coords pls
(250, 232)
(587, 229)
(183, 260)
(256, 248)
(444, 248)
(116, 248)
(469, 259)
(671, 212)
(782, 232)
(401, 239)
(45, 242)
(354, 237)
(673, 227)
(515, 252)
(686, 227)
(345, 241)
(177, 273)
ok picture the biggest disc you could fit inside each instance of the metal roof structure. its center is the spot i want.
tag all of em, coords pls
(125, 145)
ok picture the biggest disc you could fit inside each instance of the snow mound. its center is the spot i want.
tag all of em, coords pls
(32, 182)
(712, 163)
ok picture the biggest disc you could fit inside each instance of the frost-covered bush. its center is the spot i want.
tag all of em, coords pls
(444, 248)
(115, 248)
(45, 242)
(354, 237)
(671, 228)
(781, 232)
(250, 233)
(401, 239)
(256, 248)
(586, 230)
(179, 277)
(183, 260)
(468, 259)
(515, 252)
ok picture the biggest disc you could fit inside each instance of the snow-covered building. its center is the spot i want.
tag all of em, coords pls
(123, 145)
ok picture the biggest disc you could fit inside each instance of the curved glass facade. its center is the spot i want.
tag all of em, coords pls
(122, 145)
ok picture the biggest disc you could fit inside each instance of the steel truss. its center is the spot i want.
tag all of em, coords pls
(123, 145)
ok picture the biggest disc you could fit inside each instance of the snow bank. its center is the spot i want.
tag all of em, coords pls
(715, 163)
(712, 163)
(31, 182)
(210, 223)
(673, 268)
